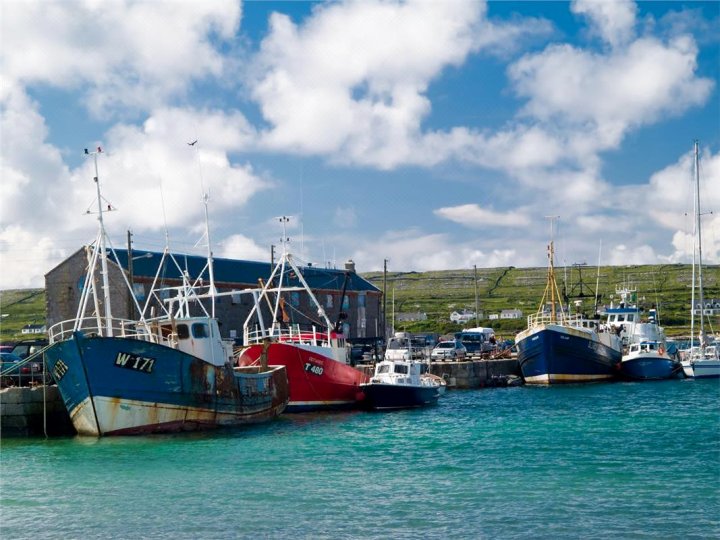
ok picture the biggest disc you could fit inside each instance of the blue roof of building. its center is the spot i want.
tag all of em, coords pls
(238, 271)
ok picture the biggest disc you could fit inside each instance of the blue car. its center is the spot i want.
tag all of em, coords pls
(15, 373)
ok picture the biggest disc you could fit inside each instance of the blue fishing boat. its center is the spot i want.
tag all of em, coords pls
(171, 372)
(647, 356)
(558, 347)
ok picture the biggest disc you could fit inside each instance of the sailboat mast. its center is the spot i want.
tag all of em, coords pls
(102, 247)
(597, 278)
(699, 246)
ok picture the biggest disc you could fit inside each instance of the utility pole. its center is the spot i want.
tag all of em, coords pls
(477, 311)
(384, 313)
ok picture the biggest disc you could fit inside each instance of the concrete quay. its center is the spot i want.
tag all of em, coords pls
(475, 373)
(29, 410)
(470, 373)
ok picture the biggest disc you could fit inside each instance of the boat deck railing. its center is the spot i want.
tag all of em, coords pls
(290, 334)
(576, 320)
(695, 353)
(90, 325)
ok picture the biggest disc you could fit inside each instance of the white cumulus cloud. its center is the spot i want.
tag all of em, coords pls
(613, 20)
(472, 215)
(118, 52)
(238, 246)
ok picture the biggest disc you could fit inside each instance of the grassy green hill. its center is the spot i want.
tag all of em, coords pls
(439, 293)
(19, 307)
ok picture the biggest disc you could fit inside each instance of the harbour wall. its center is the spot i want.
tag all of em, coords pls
(475, 373)
(471, 373)
(33, 410)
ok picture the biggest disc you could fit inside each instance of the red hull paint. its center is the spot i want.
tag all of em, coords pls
(316, 381)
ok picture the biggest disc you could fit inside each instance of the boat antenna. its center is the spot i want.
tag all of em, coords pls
(302, 217)
(164, 213)
(205, 199)
(103, 245)
(211, 271)
(285, 240)
(597, 278)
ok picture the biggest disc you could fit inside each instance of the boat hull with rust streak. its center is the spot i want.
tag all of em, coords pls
(121, 386)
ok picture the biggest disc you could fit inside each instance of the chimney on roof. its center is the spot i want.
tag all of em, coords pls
(350, 265)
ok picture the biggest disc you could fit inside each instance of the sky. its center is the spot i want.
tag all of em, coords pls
(434, 134)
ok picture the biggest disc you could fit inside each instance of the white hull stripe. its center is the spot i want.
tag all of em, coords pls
(564, 377)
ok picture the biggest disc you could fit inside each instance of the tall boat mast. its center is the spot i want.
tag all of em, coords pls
(551, 289)
(211, 271)
(102, 247)
(206, 198)
(698, 236)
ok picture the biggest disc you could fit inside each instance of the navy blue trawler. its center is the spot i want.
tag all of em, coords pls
(561, 348)
(168, 373)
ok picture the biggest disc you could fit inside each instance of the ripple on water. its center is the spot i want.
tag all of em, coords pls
(622, 460)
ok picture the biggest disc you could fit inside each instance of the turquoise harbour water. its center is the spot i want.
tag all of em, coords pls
(622, 460)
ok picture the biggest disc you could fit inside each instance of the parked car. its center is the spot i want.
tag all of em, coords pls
(449, 350)
(25, 348)
(477, 340)
(16, 373)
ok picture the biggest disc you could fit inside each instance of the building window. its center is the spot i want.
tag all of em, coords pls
(346, 303)
(139, 291)
(236, 297)
(329, 301)
(361, 300)
(295, 298)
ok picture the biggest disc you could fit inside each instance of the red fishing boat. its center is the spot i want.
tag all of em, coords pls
(314, 353)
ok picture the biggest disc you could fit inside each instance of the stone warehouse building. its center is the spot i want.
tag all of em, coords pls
(362, 301)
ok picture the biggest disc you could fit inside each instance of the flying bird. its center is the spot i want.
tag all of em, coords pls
(192, 143)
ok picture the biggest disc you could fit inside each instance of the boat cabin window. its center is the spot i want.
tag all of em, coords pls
(384, 368)
(620, 318)
(183, 331)
(401, 368)
(200, 330)
(631, 317)
(165, 330)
